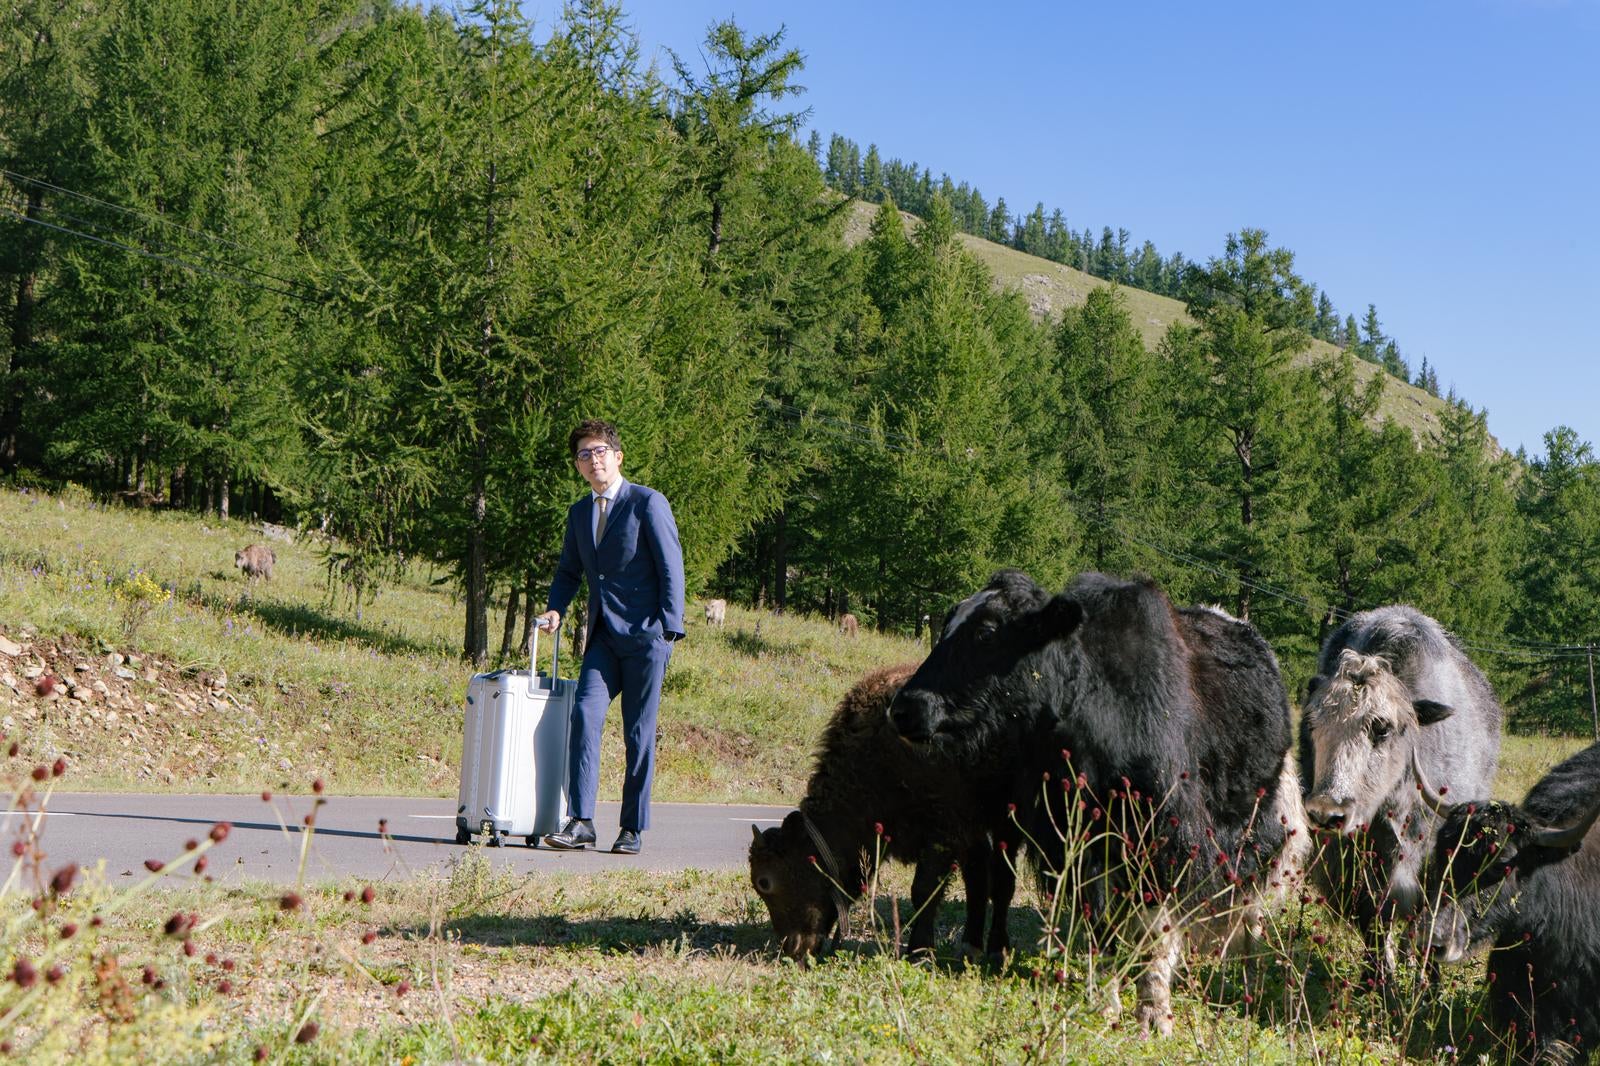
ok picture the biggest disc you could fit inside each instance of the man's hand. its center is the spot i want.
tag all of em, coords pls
(548, 621)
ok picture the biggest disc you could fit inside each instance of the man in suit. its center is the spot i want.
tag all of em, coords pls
(622, 538)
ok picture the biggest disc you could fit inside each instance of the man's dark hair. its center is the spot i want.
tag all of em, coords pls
(593, 429)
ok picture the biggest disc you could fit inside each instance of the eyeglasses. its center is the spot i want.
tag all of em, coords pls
(599, 451)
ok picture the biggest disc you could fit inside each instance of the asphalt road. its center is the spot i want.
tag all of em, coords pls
(267, 837)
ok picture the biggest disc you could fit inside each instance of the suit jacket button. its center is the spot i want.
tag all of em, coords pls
(602, 577)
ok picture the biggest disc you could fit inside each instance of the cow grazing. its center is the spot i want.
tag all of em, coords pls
(1175, 722)
(256, 560)
(848, 625)
(716, 612)
(870, 796)
(1530, 874)
(1393, 692)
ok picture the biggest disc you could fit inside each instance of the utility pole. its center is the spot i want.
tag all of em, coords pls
(1594, 712)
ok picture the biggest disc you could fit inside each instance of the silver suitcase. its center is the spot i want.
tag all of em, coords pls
(514, 753)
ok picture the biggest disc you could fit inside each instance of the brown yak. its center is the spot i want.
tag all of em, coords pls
(873, 795)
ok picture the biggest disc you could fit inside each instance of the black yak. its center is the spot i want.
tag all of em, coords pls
(1529, 877)
(1166, 735)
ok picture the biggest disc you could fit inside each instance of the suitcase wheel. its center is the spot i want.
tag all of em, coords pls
(533, 840)
(494, 840)
(463, 836)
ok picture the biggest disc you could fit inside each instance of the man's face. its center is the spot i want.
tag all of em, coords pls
(598, 462)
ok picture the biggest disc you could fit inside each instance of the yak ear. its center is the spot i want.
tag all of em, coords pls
(1432, 711)
(1066, 615)
(1312, 684)
(755, 833)
(1059, 618)
(1055, 620)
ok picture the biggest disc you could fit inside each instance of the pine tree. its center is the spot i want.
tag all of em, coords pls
(837, 169)
(1558, 584)
(726, 118)
(1239, 412)
(1389, 358)
(1350, 337)
(1370, 504)
(871, 175)
(534, 250)
(1145, 273)
(45, 100)
(1031, 234)
(204, 326)
(939, 439)
(1058, 238)
(1327, 320)
(999, 229)
(1472, 489)
(1172, 275)
(1108, 421)
(1428, 378)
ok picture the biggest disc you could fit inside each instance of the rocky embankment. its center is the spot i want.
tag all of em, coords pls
(123, 716)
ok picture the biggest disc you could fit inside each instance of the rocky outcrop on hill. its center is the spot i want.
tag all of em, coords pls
(123, 715)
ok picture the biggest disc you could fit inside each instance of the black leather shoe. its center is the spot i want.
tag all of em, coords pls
(627, 842)
(576, 835)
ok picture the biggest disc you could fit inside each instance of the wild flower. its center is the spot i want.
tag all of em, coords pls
(137, 596)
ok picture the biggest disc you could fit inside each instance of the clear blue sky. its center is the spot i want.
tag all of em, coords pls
(1440, 160)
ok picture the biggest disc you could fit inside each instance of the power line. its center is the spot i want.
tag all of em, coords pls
(98, 228)
(182, 264)
(63, 190)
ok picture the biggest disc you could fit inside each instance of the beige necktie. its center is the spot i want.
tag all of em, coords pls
(600, 523)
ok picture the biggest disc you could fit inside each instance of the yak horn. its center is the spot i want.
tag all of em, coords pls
(1435, 803)
(1567, 838)
(755, 832)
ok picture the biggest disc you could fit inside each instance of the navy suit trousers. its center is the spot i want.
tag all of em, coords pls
(613, 666)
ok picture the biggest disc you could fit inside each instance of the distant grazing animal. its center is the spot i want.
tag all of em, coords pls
(848, 625)
(716, 612)
(1534, 871)
(1168, 733)
(872, 795)
(1393, 692)
(256, 561)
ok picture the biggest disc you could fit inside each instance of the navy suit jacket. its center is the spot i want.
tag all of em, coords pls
(635, 573)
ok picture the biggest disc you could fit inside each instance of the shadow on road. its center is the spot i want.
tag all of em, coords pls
(358, 834)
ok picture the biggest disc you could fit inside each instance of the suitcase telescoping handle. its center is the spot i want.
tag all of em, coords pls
(533, 660)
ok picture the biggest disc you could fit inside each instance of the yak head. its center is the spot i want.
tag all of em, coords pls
(1484, 848)
(1481, 844)
(802, 895)
(1365, 726)
(983, 668)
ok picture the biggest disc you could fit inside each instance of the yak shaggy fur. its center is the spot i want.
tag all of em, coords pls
(1172, 724)
(873, 795)
(1393, 691)
(1530, 873)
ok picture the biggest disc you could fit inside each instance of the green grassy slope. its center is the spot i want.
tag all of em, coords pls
(1051, 287)
(235, 688)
